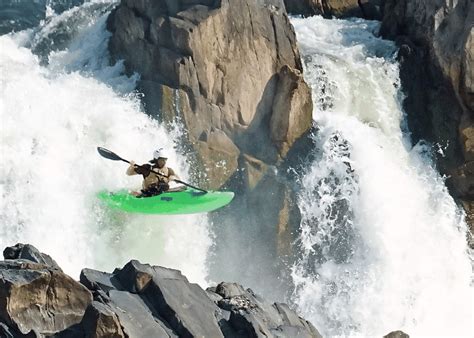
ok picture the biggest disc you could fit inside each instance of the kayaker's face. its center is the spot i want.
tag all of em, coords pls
(161, 162)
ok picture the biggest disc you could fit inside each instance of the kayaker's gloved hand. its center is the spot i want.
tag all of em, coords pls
(143, 169)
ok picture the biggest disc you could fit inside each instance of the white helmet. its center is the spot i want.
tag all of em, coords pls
(159, 153)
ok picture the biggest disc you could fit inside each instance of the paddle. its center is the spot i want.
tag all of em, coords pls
(114, 157)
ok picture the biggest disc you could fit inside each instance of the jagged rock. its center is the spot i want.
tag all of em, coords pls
(289, 120)
(16, 15)
(36, 297)
(214, 64)
(252, 316)
(136, 301)
(136, 317)
(101, 321)
(96, 280)
(436, 74)
(369, 9)
(166, 304)
(29, 252)
(219, 156)
(462, 180)
(253, 170)
(397, 334)
(469, 208)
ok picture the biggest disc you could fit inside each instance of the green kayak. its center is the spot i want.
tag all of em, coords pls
(189, 201)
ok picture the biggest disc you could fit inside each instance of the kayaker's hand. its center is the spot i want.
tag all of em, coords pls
(143, 170)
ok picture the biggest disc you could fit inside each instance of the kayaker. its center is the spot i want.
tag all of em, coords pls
(153, 183)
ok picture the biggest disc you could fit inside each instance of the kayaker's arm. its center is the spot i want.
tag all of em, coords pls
(135, 169)
(131, 169)
(172, 175)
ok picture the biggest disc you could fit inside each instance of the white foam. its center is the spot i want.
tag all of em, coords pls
(406, 264)
(52, 120)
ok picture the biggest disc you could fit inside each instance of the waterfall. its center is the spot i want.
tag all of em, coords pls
(60, 100)
(382, 244)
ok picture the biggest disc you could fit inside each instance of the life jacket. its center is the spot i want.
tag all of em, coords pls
(153, 179)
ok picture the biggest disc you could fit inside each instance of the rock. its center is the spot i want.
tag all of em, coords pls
(304, 7)
(467, 71)
(136, 317)
(183, 305)
(101, 321)
(29, 252)
(252, 316)
(37, 297)
(368, 9)
(462, 180)
(290, 118)
(436, 73)
(231, 73)
(469, 209)
(138, 300)
(397, 334)
(203, 56)
(219, 156)
(253, 171)
(96, 280)
(17, 15)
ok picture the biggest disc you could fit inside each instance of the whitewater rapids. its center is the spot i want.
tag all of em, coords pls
(53, 116)
(382, 245)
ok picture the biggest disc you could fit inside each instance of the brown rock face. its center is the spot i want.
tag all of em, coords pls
(436, 55)
(138, 300)
(289, 120)
(36, 297)
(369, 9)
(215, 65)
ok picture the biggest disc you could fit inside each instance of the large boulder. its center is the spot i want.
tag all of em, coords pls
(216, 65)
(37, 298)
(137, 301)
(16, 15)
(369, 9)
(436, 57)
(29, 252)
(249, 315)
(155, 301)
(230, 72)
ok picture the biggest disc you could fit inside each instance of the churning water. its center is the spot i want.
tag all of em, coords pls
(57, 106)
(382, 244)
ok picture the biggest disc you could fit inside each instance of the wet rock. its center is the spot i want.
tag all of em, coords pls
(17, 15)
(397, 334)
(138, 300)
(289, 120)
(101, 321)
(136, 317)
(462, 180)
(368, 9)
(214, 65)
(29, 252)
(437, 77)
(252, 316)
(36, 297)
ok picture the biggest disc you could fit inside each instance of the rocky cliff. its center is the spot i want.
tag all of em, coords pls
(37, 299)
(436, 55)
(222, 68)
(368, 9)
(231, 73)
(17, 15)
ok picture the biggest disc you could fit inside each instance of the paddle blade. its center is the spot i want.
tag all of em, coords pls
(110, 155)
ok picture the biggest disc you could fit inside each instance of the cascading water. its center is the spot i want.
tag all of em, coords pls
(56, 108)
(382, 243)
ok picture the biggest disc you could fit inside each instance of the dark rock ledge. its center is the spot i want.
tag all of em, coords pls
(37, 300)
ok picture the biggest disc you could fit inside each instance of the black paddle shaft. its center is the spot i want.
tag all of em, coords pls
(114, 157)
